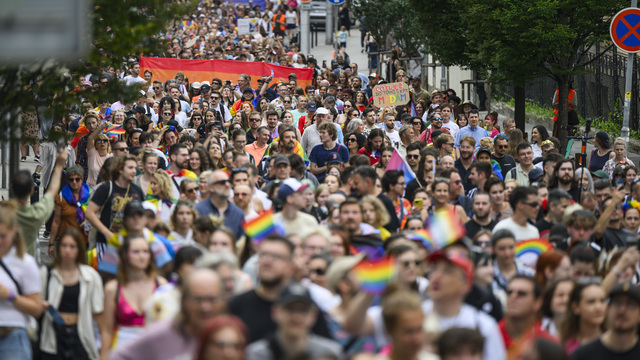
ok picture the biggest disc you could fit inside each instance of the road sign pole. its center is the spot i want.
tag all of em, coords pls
(305, 37)
(328, 27)
(627, 92)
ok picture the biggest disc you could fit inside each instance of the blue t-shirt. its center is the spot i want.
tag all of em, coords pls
(319, 156)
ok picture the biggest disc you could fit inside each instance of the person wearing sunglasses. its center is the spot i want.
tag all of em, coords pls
(218, 202)
(318, 265)
(506, 161)
(520, 325)
(525, 205)
(98, 150)
(70, 206)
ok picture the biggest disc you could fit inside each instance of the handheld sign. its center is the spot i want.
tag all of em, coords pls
(393, 94)
(625, 30)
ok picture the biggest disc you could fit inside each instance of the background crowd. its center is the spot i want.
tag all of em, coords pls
(147, 227)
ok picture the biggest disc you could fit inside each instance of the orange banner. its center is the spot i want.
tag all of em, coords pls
(164, 69)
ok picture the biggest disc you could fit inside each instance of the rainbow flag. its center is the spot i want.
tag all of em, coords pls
(262, 226)
(113, 131)
(398, 163)
(372, 252)
(445, 227)
(424, 237)
(82, 131)
(528, 251)
(204, 70)
(374, 275)
(187, 24)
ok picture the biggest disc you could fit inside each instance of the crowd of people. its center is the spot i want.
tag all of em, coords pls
(147, 230)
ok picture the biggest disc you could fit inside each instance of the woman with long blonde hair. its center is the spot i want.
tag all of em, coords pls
(19, 287)
(161, 194)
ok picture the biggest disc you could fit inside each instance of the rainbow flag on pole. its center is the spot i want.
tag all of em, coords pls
(374, 275)
(441, 229)
(398, 163)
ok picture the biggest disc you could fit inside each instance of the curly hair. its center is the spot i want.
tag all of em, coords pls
(165, 183)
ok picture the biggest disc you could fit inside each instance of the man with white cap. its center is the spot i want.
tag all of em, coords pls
(311, 136)
(294, 220)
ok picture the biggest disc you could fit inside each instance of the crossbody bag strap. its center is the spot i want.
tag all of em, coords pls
(6, 269)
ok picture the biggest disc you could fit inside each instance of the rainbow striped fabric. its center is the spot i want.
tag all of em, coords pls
(374, 275)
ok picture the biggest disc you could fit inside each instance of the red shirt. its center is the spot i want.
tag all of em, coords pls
(373, 158)
(516, 346)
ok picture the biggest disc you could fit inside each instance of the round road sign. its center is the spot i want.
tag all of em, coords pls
(625, 30)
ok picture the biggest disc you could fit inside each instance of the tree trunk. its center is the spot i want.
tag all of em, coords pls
(519, 98)
(563, 112)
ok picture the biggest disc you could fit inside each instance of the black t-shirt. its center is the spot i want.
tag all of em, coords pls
(255, 312)
(473, 227)
(464, 175)
(544, 227)
(613, 237)
(507, 162)
(394, 224)
(597, 351)
(113, 210)
(484, 300)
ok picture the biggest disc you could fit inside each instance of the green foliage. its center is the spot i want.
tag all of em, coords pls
(381, 19)
(612, 122)
(120, 28)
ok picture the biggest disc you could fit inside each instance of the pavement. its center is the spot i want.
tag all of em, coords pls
(321, 52)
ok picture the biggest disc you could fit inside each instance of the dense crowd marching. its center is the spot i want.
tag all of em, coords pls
(146, 229)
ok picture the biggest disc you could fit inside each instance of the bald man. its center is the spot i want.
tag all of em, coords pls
(218, 203)
(202, 299)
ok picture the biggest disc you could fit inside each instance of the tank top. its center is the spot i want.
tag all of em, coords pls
(597, 162)
(125, 314)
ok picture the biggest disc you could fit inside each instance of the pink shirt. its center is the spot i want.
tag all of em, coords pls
(94, 164)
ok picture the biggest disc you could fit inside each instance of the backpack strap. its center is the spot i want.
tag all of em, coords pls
(513, 173)
(274, 346)
(6, 269)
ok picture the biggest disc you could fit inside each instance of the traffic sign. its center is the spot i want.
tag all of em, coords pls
(337, 2)
(625, 30)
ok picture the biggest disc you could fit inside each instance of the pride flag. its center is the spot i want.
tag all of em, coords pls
(528, 251)
(374, 275)
(164, 69)
(445, 228)
(113, 131)
(398, 163)
(262, 226)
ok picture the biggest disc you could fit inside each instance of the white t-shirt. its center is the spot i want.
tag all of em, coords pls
(468, 317)
(26, 273)
(452, 127)
(128, 80)
(522, 233)
(394, 137)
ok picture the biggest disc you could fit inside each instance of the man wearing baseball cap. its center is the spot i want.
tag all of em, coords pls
(294, 313)
(294, 220)
(620, 341)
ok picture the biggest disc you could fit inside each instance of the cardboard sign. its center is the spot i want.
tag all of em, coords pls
(393, 94)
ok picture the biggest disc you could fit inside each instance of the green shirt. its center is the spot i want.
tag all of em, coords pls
(31, 217)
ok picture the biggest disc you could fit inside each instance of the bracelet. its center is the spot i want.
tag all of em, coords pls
(11, 296)
(50, 244)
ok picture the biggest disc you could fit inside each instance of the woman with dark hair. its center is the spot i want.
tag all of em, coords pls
(544, 349)
(125, 296)
(583, 321)
(214, 150)
(167, 104)
(490, 121)
(361, 100)
(420, 109)
(75, 290)
(381, 166)
(373, 146)
(71, 203)
(347, 106)
(418, 125)
(198, 160)
(440, 201)
(225, 337)
(555, 303)
(538, 135)
(601, 153)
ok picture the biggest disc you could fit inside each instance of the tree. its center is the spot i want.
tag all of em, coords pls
(120, 29)
(515, 41)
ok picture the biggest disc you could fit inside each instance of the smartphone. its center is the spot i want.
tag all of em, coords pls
(417, 203)
(619, 182)
(218, 125)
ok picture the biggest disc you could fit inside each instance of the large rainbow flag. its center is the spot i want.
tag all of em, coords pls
(164, 69)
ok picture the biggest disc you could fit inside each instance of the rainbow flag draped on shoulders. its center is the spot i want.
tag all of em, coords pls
(296, 149)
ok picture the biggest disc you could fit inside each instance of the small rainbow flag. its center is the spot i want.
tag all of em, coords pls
(374, 275)
(372, 252)
(444, 228)
(262, 226)
(186, 24)
(528, 251)
(82, 131)
(114, 131)
(424, 236)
